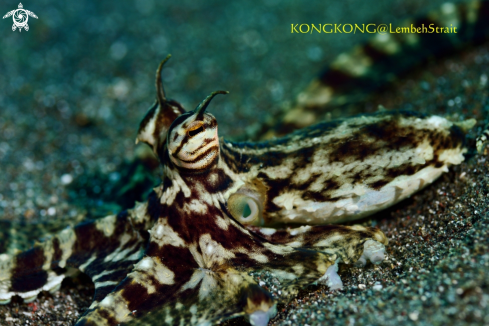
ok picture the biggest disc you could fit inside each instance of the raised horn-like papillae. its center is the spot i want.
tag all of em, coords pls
(200, 110)
(160, 91)
(153, 129)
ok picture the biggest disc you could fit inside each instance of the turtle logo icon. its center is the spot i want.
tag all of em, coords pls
(20, 17)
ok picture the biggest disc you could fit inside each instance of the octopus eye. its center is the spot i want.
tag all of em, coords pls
(250, 211)
(192, 133)
(195, 128)
(245, 209)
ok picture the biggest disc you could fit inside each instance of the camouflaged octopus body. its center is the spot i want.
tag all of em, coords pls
(196, 256)
(193, 265)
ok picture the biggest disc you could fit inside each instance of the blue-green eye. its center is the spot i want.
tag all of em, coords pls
(245, 209)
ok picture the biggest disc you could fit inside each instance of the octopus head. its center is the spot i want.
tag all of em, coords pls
(188, 138)
(192, 141)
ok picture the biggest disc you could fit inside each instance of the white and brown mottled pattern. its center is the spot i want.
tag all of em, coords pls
(346, 169)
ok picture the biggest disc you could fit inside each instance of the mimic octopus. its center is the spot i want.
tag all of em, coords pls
(185, 256)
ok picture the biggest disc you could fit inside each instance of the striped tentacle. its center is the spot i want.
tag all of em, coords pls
(178, 282)
(346, 242)
(380, 61)
(19, 234)
(164, 298)
(104, 249)
(196, 311)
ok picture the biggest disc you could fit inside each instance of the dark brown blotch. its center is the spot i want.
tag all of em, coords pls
(27, 275)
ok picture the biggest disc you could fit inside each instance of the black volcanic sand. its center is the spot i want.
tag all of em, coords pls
(75, 86)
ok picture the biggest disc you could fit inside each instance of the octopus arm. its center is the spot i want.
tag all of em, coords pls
(345, 242)
(216, 297)
(104, 249)
(305, 255)
(178, 280)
